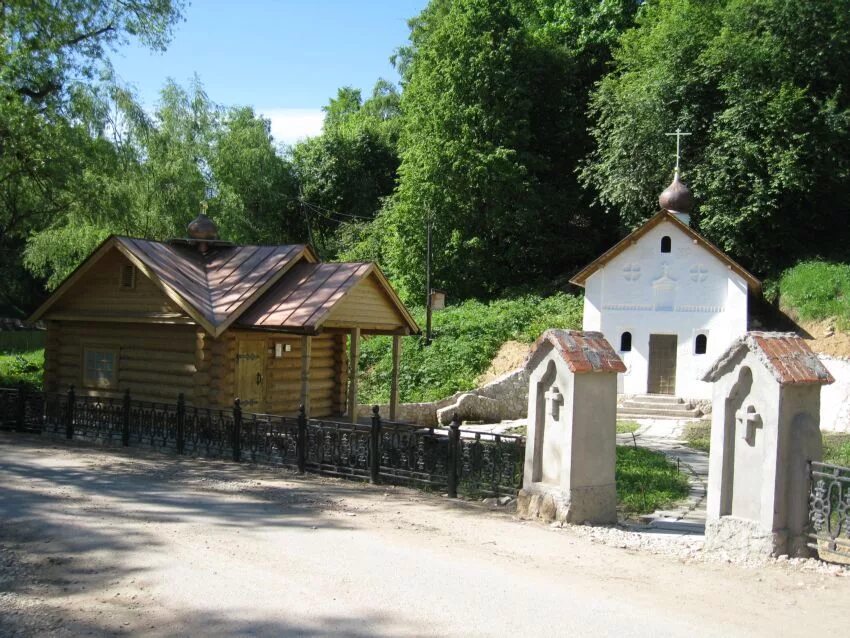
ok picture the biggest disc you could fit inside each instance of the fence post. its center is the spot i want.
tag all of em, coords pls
(181, 423)
(301, 440)
(125, 419)
(69, 413)
(375, 447)
(237, 430)
(454, 445)
(21, 417)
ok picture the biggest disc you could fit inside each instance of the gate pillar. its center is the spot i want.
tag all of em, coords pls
(570, 451)
(765, 429)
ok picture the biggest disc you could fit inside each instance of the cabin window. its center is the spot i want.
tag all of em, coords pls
(701, 344)
(99, 368)
(626, 342)
(128, 277)
(666, 244)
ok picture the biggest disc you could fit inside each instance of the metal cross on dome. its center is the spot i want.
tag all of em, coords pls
(679, 135)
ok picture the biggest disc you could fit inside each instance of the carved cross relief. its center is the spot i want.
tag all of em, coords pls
(748, 420)
(555, 399)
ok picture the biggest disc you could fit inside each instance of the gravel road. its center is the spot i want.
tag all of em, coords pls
(110, 542)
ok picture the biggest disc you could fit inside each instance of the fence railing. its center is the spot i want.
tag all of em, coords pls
(829, 511)
(452, 459)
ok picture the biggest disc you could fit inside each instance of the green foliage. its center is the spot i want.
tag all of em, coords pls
(817, 290)
(21, 366)
(466, 338)
(762, 86)
(836, 449)
(647, 481)
(494, 125)
(698, 436)
(52, 156)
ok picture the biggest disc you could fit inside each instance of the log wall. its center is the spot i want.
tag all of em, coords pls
(156, 362)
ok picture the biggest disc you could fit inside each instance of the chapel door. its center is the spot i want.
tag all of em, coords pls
(662, 364)
(250, 374)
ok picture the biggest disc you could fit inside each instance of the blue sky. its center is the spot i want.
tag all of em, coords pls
(286, 58)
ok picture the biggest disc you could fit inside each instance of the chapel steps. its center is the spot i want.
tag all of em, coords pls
(656, 406)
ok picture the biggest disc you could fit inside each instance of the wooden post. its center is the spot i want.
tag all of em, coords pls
(21, 417)
(394, 381)
(306, 356)
(353, 357)
(181, 423)
(237, 431)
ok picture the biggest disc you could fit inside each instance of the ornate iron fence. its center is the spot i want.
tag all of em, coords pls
(452, 459)
(829, 511)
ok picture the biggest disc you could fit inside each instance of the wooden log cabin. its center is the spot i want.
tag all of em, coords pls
(272, 325)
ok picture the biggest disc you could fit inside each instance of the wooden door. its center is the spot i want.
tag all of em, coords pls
(662, 364)
(251, 374)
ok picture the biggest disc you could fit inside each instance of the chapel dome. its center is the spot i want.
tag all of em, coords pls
(202, 227)
(677, 198)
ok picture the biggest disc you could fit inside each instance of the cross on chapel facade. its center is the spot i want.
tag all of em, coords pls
(555, 400)
(748, 420)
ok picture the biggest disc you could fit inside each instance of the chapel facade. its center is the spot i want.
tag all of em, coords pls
(668, 300)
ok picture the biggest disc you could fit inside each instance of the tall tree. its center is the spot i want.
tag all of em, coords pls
(51, 50)
(763, 87)
(494, 101)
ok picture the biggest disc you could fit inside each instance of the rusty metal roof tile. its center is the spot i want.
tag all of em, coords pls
(582, 351)
(785, 354)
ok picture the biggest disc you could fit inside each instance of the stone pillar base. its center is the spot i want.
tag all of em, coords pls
(579, 505)
(743, 538)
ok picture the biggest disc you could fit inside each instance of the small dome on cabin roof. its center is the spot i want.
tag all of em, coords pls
(202, 227)
(677, 198)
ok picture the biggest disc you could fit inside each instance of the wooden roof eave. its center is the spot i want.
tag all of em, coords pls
(581, 277)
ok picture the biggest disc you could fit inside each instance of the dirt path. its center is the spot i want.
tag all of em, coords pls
(96, 542)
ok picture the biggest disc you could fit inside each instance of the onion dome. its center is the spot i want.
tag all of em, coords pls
(677, 198)
(202, 227)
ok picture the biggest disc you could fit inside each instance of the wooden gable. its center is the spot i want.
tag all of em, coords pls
(114, 289)
(367, 306)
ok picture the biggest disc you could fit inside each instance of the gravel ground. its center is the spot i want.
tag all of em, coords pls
(113, 543)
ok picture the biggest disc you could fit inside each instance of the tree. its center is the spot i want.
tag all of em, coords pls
(345, 173)
(762, 86)
(493, 103)
(52, 52)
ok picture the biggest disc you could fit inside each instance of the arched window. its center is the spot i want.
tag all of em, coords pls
(626, 342)
(701, 344)
(666, 244)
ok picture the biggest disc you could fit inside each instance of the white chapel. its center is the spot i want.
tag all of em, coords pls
(668, 300)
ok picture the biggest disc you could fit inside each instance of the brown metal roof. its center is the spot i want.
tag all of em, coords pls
(278, 287)
(785, 354)
(304, 296)
(581, 277)
(219, 283)
(582, 351)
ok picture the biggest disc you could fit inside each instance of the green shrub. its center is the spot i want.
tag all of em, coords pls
(466, 337)
(22, 367)
(647, 481)
(817, 290)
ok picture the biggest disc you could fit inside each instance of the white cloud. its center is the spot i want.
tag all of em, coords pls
(292, 125)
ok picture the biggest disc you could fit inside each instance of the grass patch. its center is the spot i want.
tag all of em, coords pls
(698, 436)
(836, 449)
(627, 427)
(816, 290)
(26, 366)
(466, 337)
(647, 481)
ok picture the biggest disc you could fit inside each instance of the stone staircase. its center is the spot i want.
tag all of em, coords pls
(656, 406)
